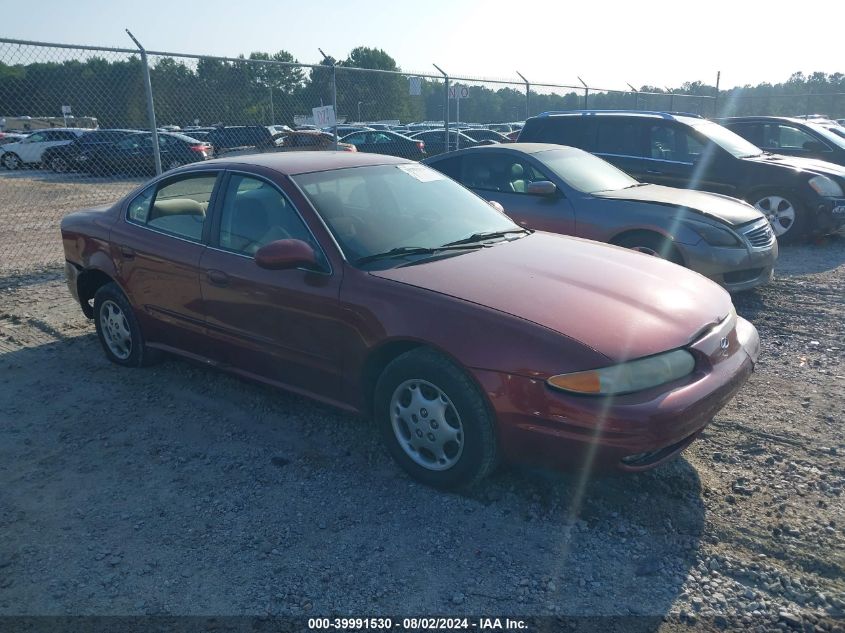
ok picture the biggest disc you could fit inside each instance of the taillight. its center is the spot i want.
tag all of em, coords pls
(421, 145)
(198, 148)
(351, 148)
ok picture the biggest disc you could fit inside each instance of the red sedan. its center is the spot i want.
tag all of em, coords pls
(383, 287)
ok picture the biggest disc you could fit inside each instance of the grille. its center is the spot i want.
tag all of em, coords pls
(760, 236)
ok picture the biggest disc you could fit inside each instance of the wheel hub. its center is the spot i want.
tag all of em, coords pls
(115, 328)
(426, 425)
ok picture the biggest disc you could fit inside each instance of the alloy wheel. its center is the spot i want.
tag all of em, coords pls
(778, 211)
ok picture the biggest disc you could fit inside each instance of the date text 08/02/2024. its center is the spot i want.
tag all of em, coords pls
(416, 624)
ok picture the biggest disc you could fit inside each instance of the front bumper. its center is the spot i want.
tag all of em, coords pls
(537, 424)
(735, 269)
(830, 215)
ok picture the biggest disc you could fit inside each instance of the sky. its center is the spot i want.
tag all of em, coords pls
(607, 43)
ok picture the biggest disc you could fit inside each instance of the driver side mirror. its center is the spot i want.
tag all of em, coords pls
(286, 254)
(541, 188)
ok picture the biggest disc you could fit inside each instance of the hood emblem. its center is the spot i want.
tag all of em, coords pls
(724, 343)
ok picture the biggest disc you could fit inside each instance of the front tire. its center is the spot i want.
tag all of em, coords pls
(786, 216)
(435, 421)
(118, 329)
(59, 165)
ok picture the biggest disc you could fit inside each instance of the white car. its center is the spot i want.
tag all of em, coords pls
(29, 150)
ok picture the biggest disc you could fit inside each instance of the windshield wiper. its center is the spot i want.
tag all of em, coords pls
(402, 251)
(486, 235)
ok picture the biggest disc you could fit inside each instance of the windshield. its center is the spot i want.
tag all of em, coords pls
(828, 134)
(729, 141)
(585, 172)
(375, 209)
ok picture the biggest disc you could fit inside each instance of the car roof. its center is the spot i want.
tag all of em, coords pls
(518, 148)
(765, 117)
(682, 117)
(293, 163)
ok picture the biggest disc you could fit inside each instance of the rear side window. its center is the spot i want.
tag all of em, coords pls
(575, 131)
(176, 207)
(619, 136)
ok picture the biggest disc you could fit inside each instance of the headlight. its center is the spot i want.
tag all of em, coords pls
(714, 235)
(635, 375)
(825, 186)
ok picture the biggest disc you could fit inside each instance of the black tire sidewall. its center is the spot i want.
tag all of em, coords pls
(113, 293)
(479, 451)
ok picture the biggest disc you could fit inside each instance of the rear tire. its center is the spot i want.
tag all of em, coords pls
(11, 161)
(785, 214)
(652, 244)
(435, 421)
(118, 329)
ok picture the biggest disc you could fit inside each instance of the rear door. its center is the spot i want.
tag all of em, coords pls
(620, 141)
(156, 247)
(281, 325)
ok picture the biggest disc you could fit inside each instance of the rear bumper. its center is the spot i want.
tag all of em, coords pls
(541, 425)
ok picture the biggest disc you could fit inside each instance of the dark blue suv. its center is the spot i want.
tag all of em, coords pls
(800, 197)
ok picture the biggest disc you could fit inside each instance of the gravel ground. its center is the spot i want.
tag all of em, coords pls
(180, 490)
(33, 201)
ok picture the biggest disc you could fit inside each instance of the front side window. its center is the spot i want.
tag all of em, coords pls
(130, 142)
(38, 137)
(499, 172)
(778, 136)
(255, 213)
(176, 207)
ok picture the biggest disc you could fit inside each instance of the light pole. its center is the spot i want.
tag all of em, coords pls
(359, 111)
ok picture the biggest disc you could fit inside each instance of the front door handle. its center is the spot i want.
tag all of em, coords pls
(126, 252)
(656, 172)
(218, 278)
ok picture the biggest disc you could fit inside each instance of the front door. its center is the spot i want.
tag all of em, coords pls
(504, 177)
(279, 325)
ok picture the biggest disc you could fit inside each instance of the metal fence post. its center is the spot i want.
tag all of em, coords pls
(445, 105)
(716, 100)
(586, 93)
(527, 95)
(151, 112)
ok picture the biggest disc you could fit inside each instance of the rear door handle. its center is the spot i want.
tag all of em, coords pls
(218, 278)
(126, 252)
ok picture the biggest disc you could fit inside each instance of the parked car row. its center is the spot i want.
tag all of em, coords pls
(381, 286)
(799, 196)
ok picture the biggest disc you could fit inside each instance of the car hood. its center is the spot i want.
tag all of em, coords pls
(619, 302)
(722, 208)
(803, 164)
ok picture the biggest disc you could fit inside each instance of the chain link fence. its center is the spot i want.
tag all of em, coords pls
(81, 126)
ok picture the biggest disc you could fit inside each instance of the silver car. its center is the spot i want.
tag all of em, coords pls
(566, 190)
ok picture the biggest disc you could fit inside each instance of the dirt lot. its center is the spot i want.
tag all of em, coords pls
(33, 201)
(180, 490)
